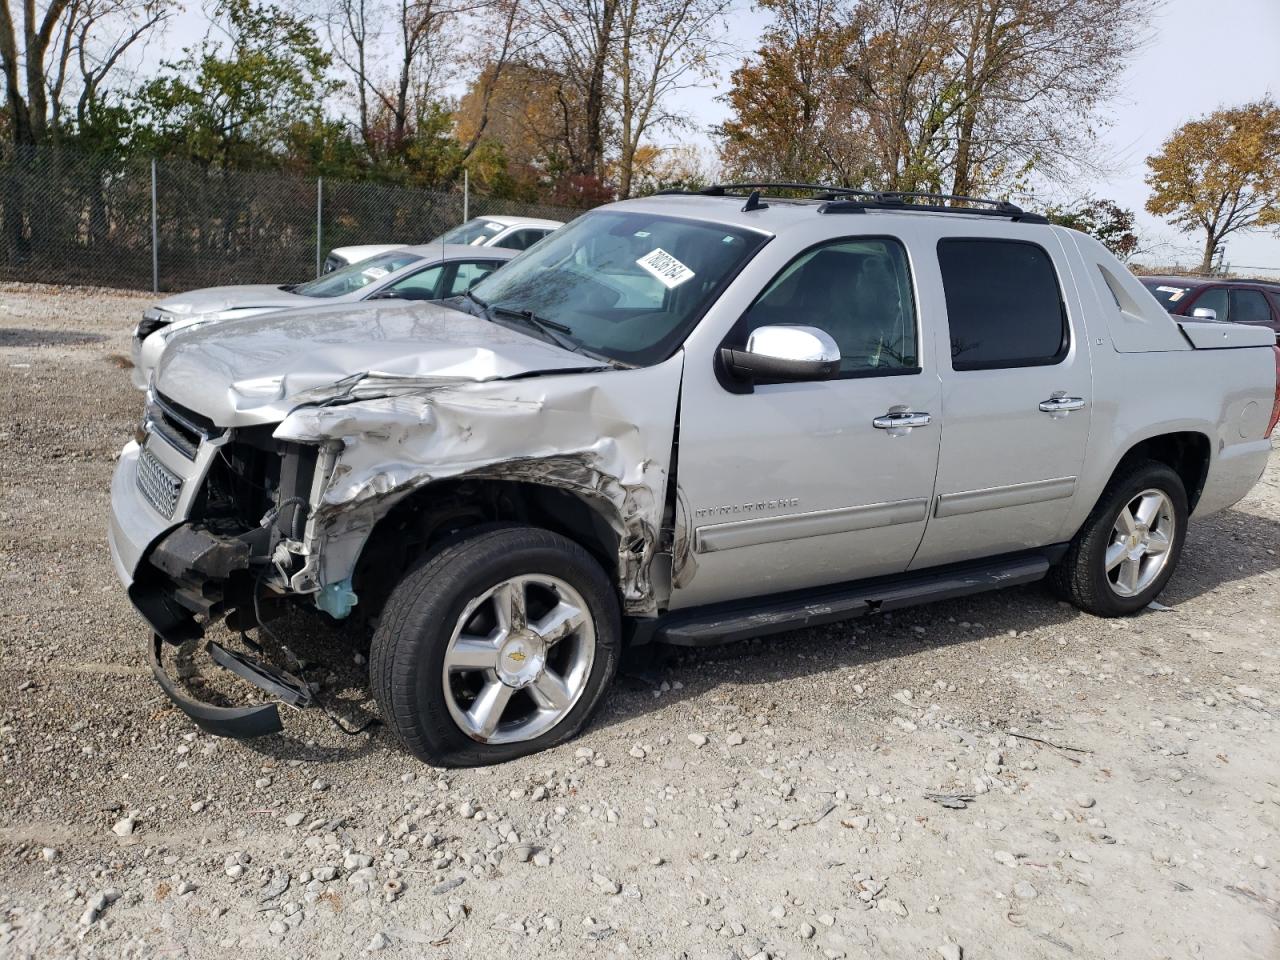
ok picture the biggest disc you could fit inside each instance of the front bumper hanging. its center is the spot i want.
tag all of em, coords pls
(238, 722)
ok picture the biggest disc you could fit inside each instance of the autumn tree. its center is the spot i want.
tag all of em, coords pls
(942, 95)
(789, 119)
(669, 168)
(1105, 220)
(518, 113)
(1220, 174)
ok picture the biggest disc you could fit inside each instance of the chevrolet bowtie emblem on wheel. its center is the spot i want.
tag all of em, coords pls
(517, 656)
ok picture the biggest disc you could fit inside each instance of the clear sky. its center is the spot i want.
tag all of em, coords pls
(1202, 54)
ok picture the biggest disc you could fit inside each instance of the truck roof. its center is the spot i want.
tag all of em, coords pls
(752, 207)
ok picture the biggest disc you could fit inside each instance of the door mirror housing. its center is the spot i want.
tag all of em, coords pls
(784, 353)
(1204, 313)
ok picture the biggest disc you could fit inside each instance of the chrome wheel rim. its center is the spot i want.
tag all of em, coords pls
(1141, 542)
(518, 659)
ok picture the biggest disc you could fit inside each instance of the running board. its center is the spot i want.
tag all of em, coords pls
(739, 621)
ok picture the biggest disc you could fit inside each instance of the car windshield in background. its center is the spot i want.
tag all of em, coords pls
(1169, 295)
(471, 233)
(356, 276)
(624, 285)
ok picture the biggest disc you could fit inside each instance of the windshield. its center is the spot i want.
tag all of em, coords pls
(1169, 295)
(626, 285)
(356, 275)
(473, 233)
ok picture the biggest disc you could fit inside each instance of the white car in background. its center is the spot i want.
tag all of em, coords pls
(510, 233)
(429, 272)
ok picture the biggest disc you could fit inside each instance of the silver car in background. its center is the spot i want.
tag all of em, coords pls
(510, 233)
(428, 272)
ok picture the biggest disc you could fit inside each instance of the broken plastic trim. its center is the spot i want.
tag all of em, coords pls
(276, 682)
(238, 722)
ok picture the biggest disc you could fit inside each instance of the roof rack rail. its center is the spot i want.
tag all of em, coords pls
(850, 200)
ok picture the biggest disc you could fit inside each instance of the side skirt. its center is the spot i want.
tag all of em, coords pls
(760, 616)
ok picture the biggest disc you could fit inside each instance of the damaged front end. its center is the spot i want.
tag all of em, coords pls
(235, 502)
(330, 504)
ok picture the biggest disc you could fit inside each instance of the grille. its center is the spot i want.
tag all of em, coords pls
(183, 429)
(158, 484)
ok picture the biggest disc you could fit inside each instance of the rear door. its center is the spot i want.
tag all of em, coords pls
(1016, 397)
(1249, 305)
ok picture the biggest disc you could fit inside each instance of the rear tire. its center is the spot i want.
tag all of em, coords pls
(1129, 546)
(496, 646)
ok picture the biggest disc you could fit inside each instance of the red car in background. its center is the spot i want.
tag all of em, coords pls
(1236, 301)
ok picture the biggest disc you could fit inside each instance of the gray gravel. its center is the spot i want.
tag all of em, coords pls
(993, 777)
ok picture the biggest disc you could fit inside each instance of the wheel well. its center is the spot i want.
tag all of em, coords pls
(443, 510)
(1186, 453)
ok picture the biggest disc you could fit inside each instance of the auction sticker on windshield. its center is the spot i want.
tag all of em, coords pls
(669, 271)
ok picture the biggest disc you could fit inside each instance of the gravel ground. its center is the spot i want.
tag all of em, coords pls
(766, 799)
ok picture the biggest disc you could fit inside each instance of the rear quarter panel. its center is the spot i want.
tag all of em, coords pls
(1225, 395)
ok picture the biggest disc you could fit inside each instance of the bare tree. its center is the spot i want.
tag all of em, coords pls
(577, 44)
(664, 46)
(400, 56)
(66, 48)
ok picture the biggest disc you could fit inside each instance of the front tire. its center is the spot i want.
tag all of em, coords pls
(1128, 549)
(496, 646)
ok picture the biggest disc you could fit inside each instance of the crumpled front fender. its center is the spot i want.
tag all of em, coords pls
(605, 436)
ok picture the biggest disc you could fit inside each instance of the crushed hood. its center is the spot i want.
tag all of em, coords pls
(256, 370)
(217, 299)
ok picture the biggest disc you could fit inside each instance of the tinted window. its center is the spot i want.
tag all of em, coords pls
(1213, 299)
(1004, 307)
(467, 275)
(1249, 306)
(521, 239)
(859, 291)
(420, 286)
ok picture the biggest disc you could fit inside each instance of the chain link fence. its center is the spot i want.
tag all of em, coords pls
(168, 225)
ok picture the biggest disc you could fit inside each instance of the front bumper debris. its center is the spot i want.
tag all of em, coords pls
(238, 722)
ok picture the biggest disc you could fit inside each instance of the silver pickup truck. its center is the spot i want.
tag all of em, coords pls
(685, 419)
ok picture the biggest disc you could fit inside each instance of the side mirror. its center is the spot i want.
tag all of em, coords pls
(1204, 313)
(784, 353)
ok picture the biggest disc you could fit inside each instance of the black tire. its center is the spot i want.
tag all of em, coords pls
(1081, 576)
(406, 660)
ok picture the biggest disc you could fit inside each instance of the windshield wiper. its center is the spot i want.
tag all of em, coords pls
(557, 333)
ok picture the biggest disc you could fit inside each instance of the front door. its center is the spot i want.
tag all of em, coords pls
(1016, 395)
(793, 485)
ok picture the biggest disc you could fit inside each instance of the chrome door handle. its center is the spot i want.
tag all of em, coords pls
(1060, 406)
(900, 422)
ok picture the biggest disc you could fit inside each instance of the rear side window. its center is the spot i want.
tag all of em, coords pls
(1249, 306)
(521, 239)
(1004, 305)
